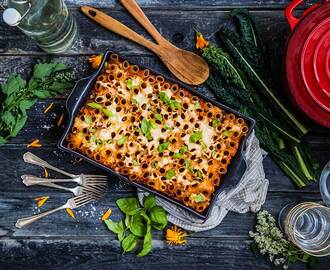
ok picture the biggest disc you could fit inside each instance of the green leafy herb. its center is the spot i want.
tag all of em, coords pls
(164, 97)
(163, 146)
(226, 133)
(88, 120)
(135, 163)
(147, 242)
(177, 155)
(170, 174)
(137, 226)
(158, 217)
(215, 122)
(129, 206)
(155, 165)
(17, 96)
(95, 105)
(146, 127)
(195, 137)
(108, 112)
(130, 84)
(158, 117)
(168, 127)
(198, 198)
(129, 242)
(149, 201)
(121, 140)
(196, 105)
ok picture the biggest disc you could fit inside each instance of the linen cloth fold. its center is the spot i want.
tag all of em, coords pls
(248, 195)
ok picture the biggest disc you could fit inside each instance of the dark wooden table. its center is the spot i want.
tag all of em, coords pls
(60, 242)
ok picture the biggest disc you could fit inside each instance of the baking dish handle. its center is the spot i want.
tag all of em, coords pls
(75, 94)
(292, 20)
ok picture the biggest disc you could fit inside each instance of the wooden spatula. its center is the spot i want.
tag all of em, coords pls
(185, 65)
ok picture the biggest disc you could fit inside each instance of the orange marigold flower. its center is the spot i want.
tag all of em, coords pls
(200, 41)
(41, 200)
(95, 60)
(70, 212)
(107, 214)
(35, 143)
(175, 236)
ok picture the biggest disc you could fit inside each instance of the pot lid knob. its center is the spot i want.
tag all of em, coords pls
(11, 16)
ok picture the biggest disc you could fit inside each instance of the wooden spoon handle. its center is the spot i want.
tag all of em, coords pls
(117, 27)
(134, 9)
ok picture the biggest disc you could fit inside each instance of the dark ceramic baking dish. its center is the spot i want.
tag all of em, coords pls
(78, 98)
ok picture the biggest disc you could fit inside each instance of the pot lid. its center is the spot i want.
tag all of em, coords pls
(308, 64)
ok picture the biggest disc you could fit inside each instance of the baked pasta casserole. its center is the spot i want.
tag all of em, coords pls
(156, 133)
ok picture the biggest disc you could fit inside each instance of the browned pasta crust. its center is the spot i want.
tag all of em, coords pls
(157, 133)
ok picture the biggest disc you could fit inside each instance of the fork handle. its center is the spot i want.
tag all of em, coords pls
(22, 222)
(28, 157)
(30, 180)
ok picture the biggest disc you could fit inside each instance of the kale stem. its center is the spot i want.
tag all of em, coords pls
(302, 164)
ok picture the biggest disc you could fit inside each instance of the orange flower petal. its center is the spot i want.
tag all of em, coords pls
(200, 41)
(70, 212)
(107, 214)
(41, 200)
(60, 120)
(35, 143)
(46, 174)
(175, 236)
(95, 60)
(49, 107)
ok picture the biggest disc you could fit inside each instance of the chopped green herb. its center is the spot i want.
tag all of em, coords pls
(215, 122)
(158, 117)
(130, 84)
(174, 105)
(183, 149)
(195, 137)
(108, 113)
(135, 163)
(152, 124)
(155, 165)
(95, 105)
(170, 174)
(134, 101)
(204, 146)
(168, 127)
(198, 173)
(198, 197)
(146, 128)
(226, 133)
(163, 146)
(177, 155)
(88, 120)
(187, 164)
(122, 140)
(196, 105)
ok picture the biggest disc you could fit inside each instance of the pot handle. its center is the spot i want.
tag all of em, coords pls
(292, 20)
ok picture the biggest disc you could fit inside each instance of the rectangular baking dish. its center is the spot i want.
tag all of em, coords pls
(236, 168)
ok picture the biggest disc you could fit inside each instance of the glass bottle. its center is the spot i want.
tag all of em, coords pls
(48, 22)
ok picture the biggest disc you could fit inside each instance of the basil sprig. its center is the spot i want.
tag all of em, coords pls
(138, 223)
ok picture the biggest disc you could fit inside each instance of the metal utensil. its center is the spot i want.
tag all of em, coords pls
(72, 203)
(98, 190)
(81, 179)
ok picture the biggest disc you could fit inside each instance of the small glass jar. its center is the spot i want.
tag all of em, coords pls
(49, 23)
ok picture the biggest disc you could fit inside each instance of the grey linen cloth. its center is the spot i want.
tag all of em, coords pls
(248, 195)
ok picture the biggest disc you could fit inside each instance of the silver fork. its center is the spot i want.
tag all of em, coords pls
(72, 203)
(82, 179)
(98, 190)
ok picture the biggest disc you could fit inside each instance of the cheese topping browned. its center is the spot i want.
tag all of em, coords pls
(157, 133)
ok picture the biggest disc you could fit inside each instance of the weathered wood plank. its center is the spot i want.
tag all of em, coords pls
(177, 26)
(102, 253)
(184, 4)
(18, 205)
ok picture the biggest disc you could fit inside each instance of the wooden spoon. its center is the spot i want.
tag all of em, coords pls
(185, 65)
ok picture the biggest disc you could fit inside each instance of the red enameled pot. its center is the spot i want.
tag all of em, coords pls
(307, 61)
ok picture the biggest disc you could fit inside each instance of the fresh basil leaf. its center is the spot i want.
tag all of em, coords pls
(95, 105)
(26, 104)
(41, 71)
(149, 201)
(158, 117)
(113, 226)
(183, 149)
(146, 128)
(127, 221)
(13, 84)
(196, 105)
(226, 133)
(168, 127)
(198, 198)
(129, 206)
(198, 173)
(177, 155)
(187, 164)
(175, 105)
(129, 242)
(163, 146)
(88, 120)
(122, 140)
(164, 97)
(20, 122)
(135, 163)
(8, 118)
(137, 226)
(158, 217)
(170, 174)
(43, 94)
(152, 124)
(147, 243)
(130, 84)
(215, 122)
(108, 112)
(195, 137)
(61, 87)
(121, 235)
